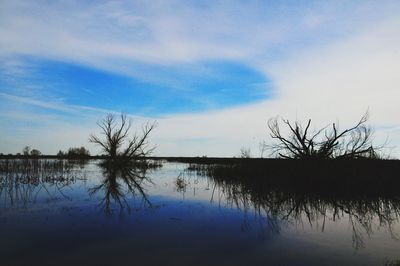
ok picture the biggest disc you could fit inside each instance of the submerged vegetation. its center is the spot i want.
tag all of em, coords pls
(371, 177)
(33, 167)
(21, 180)
(290, 193)
(282, 199)
(392, 263)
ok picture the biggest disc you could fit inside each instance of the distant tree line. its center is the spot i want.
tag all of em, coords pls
(75, 153)
(297, 141)
(27, 151)
(71, 153)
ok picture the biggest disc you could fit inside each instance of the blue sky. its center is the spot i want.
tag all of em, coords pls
(182, 88)
(211, 72)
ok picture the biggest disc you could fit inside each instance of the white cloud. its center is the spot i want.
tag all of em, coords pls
(55, 105)
(337, 82)
(108, 34)
(328, 61)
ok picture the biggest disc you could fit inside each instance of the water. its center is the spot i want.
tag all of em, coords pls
(88, 215)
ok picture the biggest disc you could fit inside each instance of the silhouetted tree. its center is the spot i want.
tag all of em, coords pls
(354, 142)
(35, 152)
(245, 152)
(81, 152)
(26, 150)
(119, 141)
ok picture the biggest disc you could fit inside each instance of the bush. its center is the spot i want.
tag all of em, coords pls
(119, 141)
(354, 142)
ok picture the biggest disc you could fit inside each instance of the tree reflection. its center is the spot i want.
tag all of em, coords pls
(121, 183)
(282, 204)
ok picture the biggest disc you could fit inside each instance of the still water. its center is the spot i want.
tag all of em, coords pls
(88, 215)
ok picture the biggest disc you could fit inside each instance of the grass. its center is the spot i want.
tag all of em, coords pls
(370, 177)
(392, 263)
(364, 192)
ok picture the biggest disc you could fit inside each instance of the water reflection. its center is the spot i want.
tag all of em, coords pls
(121, 183)
(284, 204)
(24, 181)
(121, 188)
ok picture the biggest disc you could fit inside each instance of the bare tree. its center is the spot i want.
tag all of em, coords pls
(26, 150)
(325, 143)
(78, 153)
(35, 153)
(245, 152)
(118, 140)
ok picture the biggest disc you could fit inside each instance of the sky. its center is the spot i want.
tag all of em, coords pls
(211, 73)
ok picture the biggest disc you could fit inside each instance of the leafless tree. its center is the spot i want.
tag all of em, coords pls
(325, 143)
(245, 152)
(26, 150)
(35, 153)
(119, 141)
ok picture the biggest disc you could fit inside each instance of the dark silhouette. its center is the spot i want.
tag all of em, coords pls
(181, 184)
(282, 201)
(370, 177)
(21, 180)
(245, 152)
(78, 153)
(26, 150)
(392, 263)
(354, 142)
(121, 181)
(35, 153)
(119, 142)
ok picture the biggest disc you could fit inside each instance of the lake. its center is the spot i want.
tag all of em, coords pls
(57, 212)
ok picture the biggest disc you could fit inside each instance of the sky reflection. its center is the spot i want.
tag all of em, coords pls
(184, 217)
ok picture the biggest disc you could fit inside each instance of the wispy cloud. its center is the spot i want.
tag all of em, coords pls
(327, 60)
(114, 34)
(55, 106)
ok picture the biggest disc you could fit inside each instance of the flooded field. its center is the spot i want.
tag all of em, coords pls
(59, 212)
